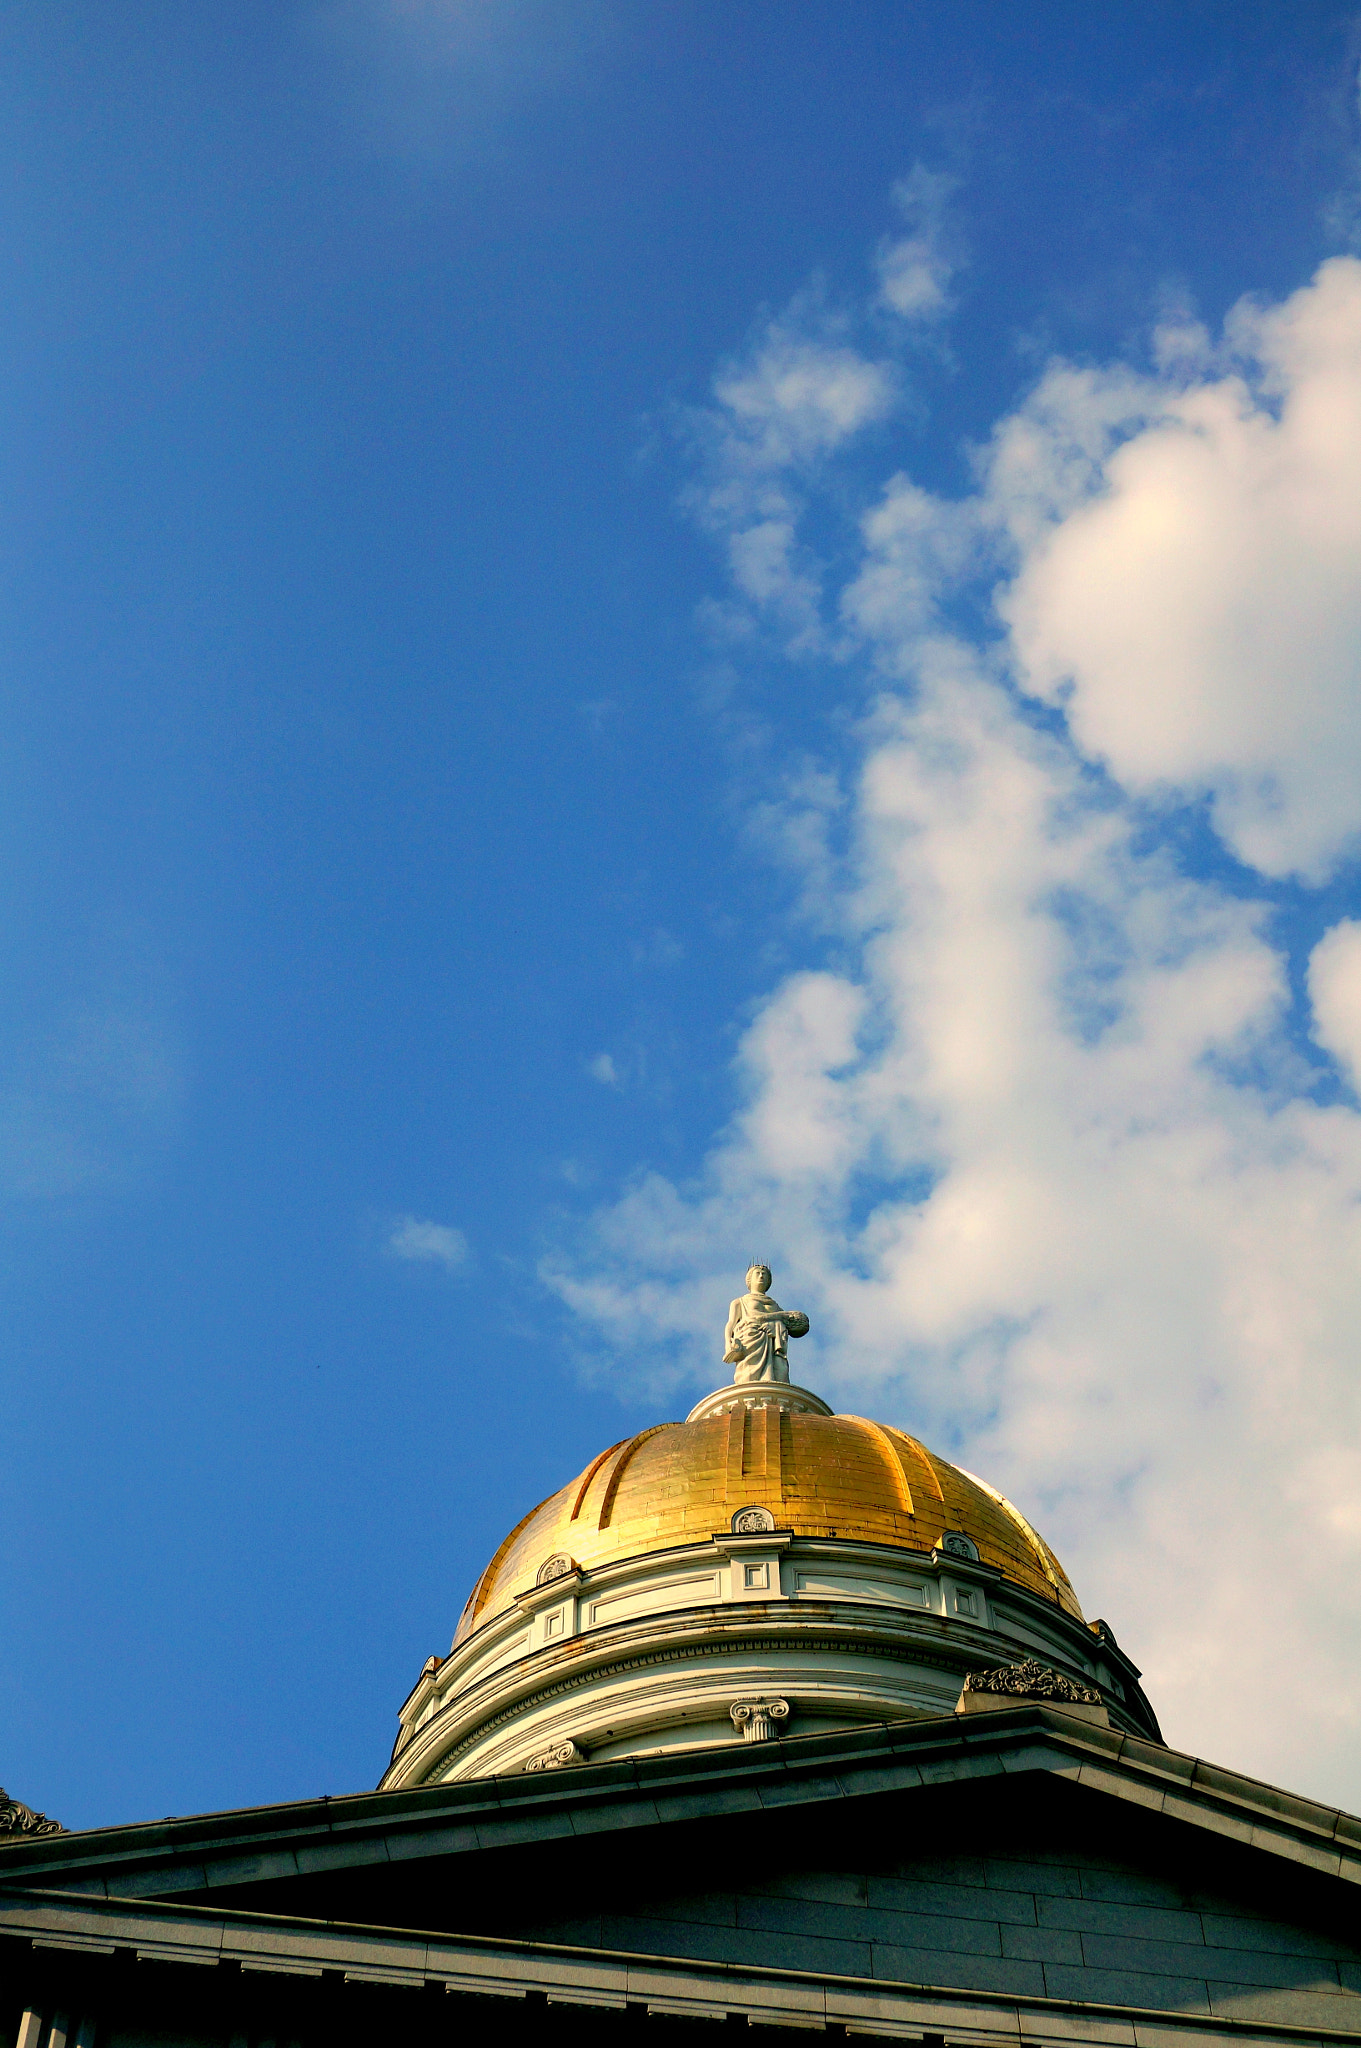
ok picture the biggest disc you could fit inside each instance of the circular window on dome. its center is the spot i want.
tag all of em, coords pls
(958, 1545)
(752, 1522)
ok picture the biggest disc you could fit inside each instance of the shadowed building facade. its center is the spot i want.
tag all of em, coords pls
(767, 1717)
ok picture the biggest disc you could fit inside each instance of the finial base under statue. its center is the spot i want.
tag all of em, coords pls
(779, 1394)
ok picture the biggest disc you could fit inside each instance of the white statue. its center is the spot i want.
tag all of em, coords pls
(758, 1332)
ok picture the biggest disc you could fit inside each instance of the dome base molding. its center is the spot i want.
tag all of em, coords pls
(780, 1395)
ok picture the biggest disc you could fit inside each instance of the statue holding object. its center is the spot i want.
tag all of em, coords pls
(758, 1333)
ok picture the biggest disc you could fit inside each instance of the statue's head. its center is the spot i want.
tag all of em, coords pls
(758, 1279)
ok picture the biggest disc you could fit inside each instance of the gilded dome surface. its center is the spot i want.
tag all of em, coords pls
(819, 1475)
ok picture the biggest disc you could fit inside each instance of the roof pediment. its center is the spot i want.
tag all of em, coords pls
(258, 1855)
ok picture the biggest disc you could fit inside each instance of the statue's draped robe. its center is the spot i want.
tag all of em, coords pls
(759, 1342)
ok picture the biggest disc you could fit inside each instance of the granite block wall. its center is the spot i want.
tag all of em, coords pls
(1073, 1920)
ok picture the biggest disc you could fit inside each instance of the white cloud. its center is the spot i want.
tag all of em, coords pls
(799, 395)
(413, 1237)
(603, 1069)
(1199, 614)
(1041, 1160)
(1335, 993)
(916, 269)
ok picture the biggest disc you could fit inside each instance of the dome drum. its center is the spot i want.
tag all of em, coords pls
(653, 1652)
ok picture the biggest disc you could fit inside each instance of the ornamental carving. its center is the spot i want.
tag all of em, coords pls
(559, 1566)
(1033, 1681)
(18, 1819)
(553, 1759)
(759, 1720)
(752, 1522)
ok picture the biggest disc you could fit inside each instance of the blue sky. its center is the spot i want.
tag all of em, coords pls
(420, 821)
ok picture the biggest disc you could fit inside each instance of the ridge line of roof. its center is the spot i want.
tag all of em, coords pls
(1097, 1751)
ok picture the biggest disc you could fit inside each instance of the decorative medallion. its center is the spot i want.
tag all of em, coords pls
(1034, 1681)
(559, 1566)
(553, 1759)
(752, 1522)
(759, 1719)
(956, 1544)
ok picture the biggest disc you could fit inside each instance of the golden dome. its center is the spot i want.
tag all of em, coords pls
(820, 1475)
